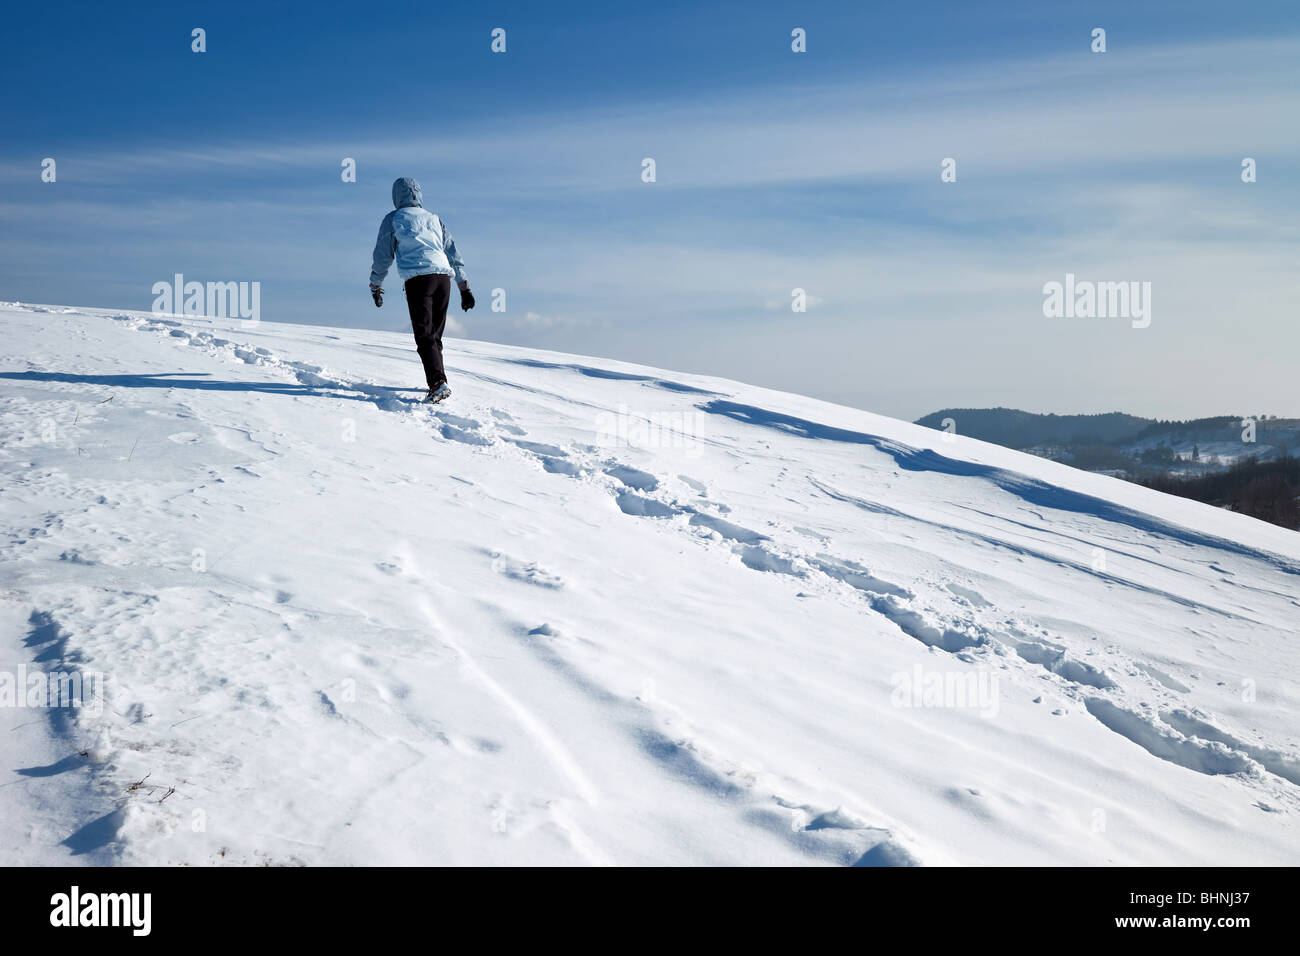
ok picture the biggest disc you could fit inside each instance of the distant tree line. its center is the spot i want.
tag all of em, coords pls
(1222, 426)
(1013, 428)
(1268, 490)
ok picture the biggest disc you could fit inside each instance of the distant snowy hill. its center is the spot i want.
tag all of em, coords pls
(594, 613)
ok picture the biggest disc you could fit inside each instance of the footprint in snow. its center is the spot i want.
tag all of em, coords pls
(968, 594)
(464, 436)
(540, 448)
(699, 487)
(640, 506)
(633, 478)
(759, 558)
(835, 819)
(1167, 743)
(469, 424)
(727, 529)
(504, 422)
(1052, 657)
(526, 571)
(856, 576)
(560, 466)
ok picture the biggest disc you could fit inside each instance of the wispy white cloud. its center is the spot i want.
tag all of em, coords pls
(538, 322)
(1147, 103)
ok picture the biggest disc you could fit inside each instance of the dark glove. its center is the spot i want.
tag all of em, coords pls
(378, 296)
(466, 300)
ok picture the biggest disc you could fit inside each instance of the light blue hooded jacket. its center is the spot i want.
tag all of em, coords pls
(417, 238)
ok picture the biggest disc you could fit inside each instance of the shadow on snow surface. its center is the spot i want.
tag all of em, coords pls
(1031, 490)
(198, 381)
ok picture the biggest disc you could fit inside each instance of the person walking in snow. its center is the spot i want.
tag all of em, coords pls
(426, 260)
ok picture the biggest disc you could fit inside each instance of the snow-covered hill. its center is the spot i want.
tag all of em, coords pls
(588, 612)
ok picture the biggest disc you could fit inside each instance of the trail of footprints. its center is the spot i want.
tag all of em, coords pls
(961, 628)
(1170, 734)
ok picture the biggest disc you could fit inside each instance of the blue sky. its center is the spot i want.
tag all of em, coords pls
(775, 170)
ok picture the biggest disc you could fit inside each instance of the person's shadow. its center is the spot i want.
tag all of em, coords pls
(201, 382)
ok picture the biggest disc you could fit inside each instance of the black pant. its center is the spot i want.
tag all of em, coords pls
(426, 299)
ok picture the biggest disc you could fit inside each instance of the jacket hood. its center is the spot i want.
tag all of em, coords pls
(406, 192)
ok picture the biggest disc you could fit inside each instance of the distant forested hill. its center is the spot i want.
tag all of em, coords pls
(1013, 428)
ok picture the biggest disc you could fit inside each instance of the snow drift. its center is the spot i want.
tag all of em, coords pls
(589, 612)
